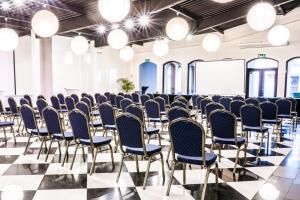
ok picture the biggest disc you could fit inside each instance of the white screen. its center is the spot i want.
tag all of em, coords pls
(220, 77)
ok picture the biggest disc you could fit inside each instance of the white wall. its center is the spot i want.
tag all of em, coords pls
(186, 51)
(6, 74)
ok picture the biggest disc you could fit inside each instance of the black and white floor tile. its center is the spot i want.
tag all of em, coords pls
(275, 176)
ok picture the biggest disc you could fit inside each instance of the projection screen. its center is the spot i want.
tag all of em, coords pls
(225, 77)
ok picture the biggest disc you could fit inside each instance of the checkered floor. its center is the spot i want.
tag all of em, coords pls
(36, 179)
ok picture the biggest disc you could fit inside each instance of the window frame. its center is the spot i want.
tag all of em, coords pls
(286, 73)
(163, 78)
(188, 74)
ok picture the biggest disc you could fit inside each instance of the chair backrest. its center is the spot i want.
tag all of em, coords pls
(194, 99)
(41, 104)
(144, 99)
(152, 109)
(161, 102)
(79, 124)
(251, 115)
(88, 102)
(28, 117)
(101, 99)
(284, 106)
(128, 96)
(150, 95)
(137, 111)
(187, 138)
(55, 102)
(125, 103)
(107, 114)
(198, 102)
(235, 107)
(177, 112)
(70, 103)
(28, 98)
(91, 98)
(216, 98)
(97, 95)
(135, 98)
(223, 124)
(24, 101)
(83, 94)
(41, 97)
(112, 99)
(238, 98)
(252, 101)
(212, 107)
(12, 105)
(203, 104)
(119, 98)
(225, 101)
(294, 104)
(262, 99)
(269, 110)
(130, 131)
(121, 94)
(183, 100)
(2, 110)
(84, 108)
(178, 104)
(52, 120)
(107, 94)
(75, 97)
(166, 98)
(61, 98)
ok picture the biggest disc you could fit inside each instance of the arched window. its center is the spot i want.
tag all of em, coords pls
(262, 77)
(172, 77)
(292, 86)
(191, 85)
(148, 77)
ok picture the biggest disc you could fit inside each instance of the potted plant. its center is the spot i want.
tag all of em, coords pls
(126, 84)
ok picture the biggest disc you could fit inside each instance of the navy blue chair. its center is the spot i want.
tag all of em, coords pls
(154, 115)
(56, 132)
(75, 97)
(294, 110)
(41, 105)
(41, 97)
(91, 98)
(32, 128)
(188, 147)
(84, 138)
(84, 108)
(101, 99)
(107, 94)
(235, 108)
(6, 124)
(121, 94)
(224, 132)
(56, 104)
(209, 108)
(125, 103)
(252, 101)
(150, 95)
(162, 104)
(144, 99)
(97, 95)
(285, 111)
(216, 98)
(28, 98)
(112, 99)
(135, 98)
(166, 98)
(83, 94)
(3, 111)
(262, 99)
(61, 99)
(225, 101)
(93, 113)
(251, 117)
(132, 142)
(14, 112)
(240, 98)
(198, 102)
(178, 104)
(183, 100)
(203, 104)
(177, 112)
(119, 98)
(270, 115)
(24, 101)
(128, 96)
(194, 100)
(70, 103)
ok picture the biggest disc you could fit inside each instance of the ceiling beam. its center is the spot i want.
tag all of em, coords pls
(185, 12)
(160, 5)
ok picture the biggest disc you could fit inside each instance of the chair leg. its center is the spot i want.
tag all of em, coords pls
(159, 138)
(94, 160)
(66, 153)
(119, 172)
(245, 153)
(168, 154)
(261, 141)
(112, 156)
(217, 173)
(27, 144)
(14, 135)
(51, 141)
(83, 154)
(219, 152)
(43, 140)
(171, 178)
(74, 156)
(58, 144)
(5, 138)
(236, 160)
(137, 164)
(162, 166)
(147, 172)
(205, 183)
(184, 174)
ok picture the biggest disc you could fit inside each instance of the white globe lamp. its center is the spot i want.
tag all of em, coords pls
(279, 35)
(79, 45)
(211, 42)
(177, 28)
(44, 23)
(126, 53)
(160, 48)
(9, 39)
(261, 16)
(117, 39)
(114, 10)
(222, 1)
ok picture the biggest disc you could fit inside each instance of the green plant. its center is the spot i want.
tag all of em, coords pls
(126, 84)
